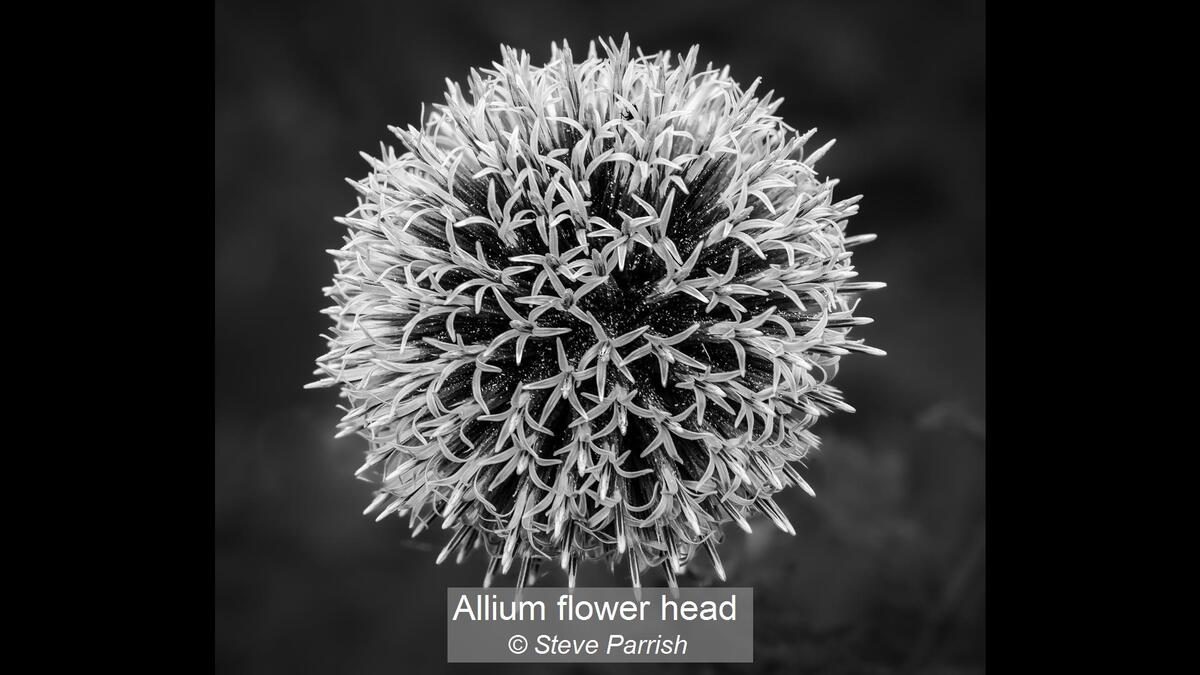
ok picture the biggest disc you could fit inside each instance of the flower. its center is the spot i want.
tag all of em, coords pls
(592, 311)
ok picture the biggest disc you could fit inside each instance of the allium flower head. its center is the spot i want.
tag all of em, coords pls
(591, 312)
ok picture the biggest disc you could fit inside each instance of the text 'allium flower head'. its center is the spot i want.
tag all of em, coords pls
(592, 311)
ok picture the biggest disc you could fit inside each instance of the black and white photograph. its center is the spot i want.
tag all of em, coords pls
(578, 337)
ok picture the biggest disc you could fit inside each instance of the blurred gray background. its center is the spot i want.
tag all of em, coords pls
(887, 572)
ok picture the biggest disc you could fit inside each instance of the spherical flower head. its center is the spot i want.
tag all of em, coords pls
(591, 312)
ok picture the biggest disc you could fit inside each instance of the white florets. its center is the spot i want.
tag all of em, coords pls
(592, 311)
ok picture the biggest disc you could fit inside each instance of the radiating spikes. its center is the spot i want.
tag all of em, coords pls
(672, 550)
(451, 503)
(817, 154)
(379, 499)
(619, 521)
(452, 544)
(454, 515)
(592, 309)
(805, 486)
(711, 549)
(469, 545)
(389, 509)
(523, 574)
(560, 521)
(765, 469)
(672, 582)
(858, 240)
(572, 569)
(777, 516)
(689, 514)
(736, 517)
(796, 478)
(493, 565)
(510, 547)
(742, 523)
